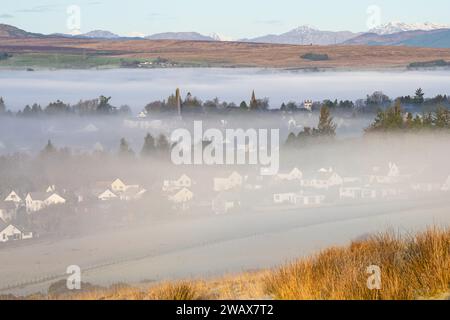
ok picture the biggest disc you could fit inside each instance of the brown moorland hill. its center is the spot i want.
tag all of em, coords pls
(237, 54)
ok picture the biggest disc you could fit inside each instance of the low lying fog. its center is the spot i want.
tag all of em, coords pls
(404, 179)
(138, 87)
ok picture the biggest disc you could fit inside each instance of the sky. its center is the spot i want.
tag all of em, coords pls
(235, 19)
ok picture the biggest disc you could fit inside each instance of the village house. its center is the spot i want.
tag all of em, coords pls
(294, 174)
(9, 232)
(119, 186)
(392, 176)
(35, 201)
(301, 198)
(106, 195)
(323, 179)
(171, 185)
(234, 180)
(13, 197)
(181, 198)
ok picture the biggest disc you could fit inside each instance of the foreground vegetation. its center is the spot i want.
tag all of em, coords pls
(412, 267)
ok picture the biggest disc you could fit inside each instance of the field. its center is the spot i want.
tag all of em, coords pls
(81, 53)
(412, 267)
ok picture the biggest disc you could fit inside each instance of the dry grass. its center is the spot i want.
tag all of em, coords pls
(412, 267)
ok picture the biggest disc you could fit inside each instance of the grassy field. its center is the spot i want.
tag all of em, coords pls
(75, 53)
(412, 267)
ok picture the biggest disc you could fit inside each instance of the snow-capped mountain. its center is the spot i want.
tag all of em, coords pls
(394, 27)
(307, 35)
(220, 37)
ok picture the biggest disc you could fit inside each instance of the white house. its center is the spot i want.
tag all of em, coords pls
(183, 182)
(184, 195)
(51, 189)
(294, 174)
(392, 176)
(284, 198)
(9, 232)
(301, 198)
(106, 195)
(13, 197)
(323, 179)
(119, 186)
(35, 201)
(350, 191)
(234, 180)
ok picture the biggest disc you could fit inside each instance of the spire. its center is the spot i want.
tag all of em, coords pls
(178, 99)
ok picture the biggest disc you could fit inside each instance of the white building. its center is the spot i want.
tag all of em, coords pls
(294, 174)
(234, 180)
(35, 201)
(171, 185)
(119, 186)
(106, 195)
(9, 232)
(301, 198)
(323, 179)
(13, 197)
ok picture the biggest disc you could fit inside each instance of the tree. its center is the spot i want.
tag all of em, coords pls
(243, 105)
(125, 149)
(49, 148)
(326, 126)
(162, 143)
(104, 106)
(418, 98)
(2, 106)
(149, 146)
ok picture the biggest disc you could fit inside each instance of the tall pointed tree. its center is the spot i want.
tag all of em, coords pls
(326, 126)
(149, 146)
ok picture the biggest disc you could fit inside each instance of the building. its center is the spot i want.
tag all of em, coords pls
(294, 174)
(9, 232)
(13, 197)
(182, 182)
(35, 201)
(234, 180)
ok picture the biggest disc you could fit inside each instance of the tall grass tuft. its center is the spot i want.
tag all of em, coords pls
(412, 267)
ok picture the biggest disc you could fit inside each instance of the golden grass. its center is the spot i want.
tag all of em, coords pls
(412, 267)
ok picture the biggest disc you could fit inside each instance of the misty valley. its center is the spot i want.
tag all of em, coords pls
(90, 183)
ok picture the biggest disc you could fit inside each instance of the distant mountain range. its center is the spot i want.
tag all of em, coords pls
(396, 27)
(392, 34)
(191, 36)
(305, 35)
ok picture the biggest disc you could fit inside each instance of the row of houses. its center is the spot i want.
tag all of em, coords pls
(233, 191)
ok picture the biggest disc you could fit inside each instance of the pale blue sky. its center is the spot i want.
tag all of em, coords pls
(234, 18)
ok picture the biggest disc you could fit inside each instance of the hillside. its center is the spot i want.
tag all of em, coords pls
(417, 38)
(88, 53)
(412, 267)
(7, 31)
